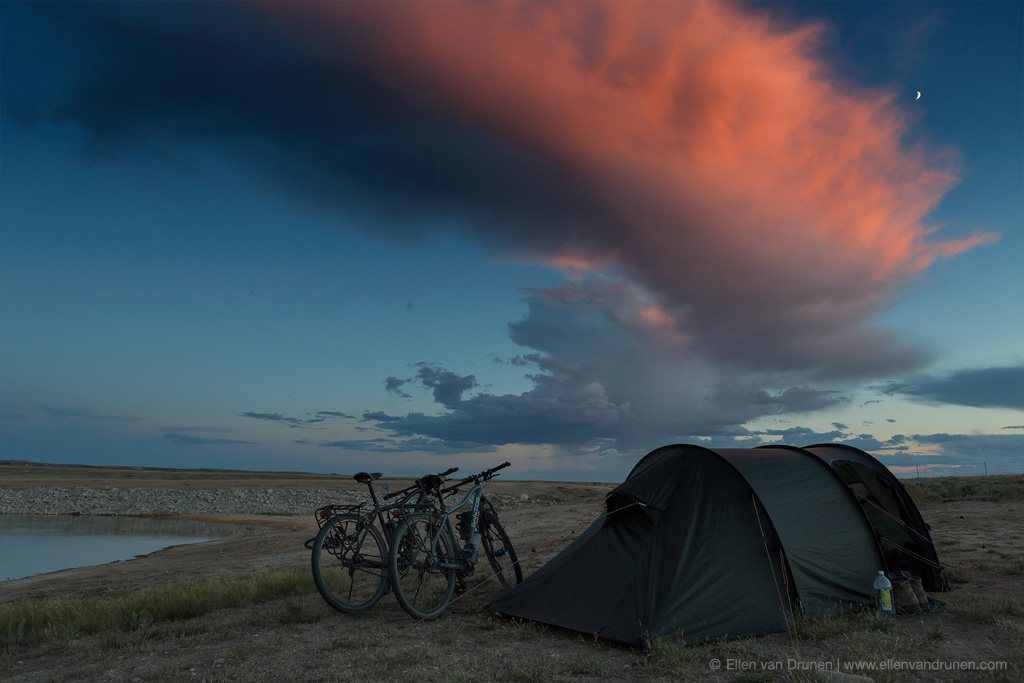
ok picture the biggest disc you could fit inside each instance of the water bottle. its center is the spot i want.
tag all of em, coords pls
(883, 598)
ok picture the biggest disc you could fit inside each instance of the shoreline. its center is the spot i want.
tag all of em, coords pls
(294, 634)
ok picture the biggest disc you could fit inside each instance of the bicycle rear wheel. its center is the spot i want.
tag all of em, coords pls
(423, 570)
(498, 548)
(349, 563)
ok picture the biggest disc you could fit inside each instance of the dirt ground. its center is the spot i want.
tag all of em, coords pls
(982, 544)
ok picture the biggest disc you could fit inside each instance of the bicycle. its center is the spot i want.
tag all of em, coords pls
(427, 561)
(349, 553)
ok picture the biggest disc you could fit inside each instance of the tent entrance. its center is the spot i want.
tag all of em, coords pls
(902, 546)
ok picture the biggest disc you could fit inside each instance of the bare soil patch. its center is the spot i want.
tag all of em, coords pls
(300, 638)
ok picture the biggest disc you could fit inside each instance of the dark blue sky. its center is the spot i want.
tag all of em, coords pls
(329, 237)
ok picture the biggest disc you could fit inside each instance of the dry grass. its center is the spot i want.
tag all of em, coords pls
(1002, 488)
(227, 629)
(300, 636)
(55, 620)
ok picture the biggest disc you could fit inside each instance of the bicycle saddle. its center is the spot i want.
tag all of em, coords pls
(365, 478)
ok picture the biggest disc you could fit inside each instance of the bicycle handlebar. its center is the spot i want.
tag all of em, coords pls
(423, 482)
(485, 475)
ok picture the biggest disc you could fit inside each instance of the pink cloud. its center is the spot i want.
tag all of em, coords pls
(727, 171)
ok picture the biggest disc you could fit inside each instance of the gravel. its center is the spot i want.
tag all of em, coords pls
(141, 501)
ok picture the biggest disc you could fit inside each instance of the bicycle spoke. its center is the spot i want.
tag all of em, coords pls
(422, 585)
(498, 548)
(418, 587)
(348, 563)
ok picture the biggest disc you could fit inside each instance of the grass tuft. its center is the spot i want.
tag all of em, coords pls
(669, 653)
(529, 671)
(825, 627)
(300, 613)
(988, 610)
(190, 630)
(580, 665)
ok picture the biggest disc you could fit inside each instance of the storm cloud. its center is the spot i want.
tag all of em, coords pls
(733, 216)
(601, 370)
(298, 422)
(697, 149)
(998, 387)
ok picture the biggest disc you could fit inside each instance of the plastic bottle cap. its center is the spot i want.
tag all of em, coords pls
(881, 573)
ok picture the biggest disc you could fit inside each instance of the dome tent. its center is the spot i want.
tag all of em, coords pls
(708, 543)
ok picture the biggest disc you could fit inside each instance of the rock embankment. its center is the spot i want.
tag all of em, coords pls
(142, 501)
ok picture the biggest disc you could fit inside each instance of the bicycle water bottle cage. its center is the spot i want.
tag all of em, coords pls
(463, 524)
(366, 478)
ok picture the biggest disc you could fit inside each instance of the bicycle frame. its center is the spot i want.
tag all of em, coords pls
(427, 562)
(378, 512)
(359, 539)
(476, 494)
(387, 524)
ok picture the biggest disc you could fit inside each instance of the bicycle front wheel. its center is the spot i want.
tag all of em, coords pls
(349, 563)
(423, 568)
(498, 549)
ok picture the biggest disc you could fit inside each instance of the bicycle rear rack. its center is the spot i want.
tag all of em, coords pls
(326, 512)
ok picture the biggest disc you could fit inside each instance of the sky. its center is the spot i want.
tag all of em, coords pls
(398, 237)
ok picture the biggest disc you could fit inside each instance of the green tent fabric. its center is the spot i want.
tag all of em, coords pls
(706, 543)
(901, 532)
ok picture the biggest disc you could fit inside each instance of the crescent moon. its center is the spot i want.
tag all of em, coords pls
(918, 95)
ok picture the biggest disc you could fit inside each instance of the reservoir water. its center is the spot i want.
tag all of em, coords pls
(37, 544)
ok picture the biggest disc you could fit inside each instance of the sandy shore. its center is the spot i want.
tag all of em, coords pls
(280, 503)
(301, 638)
